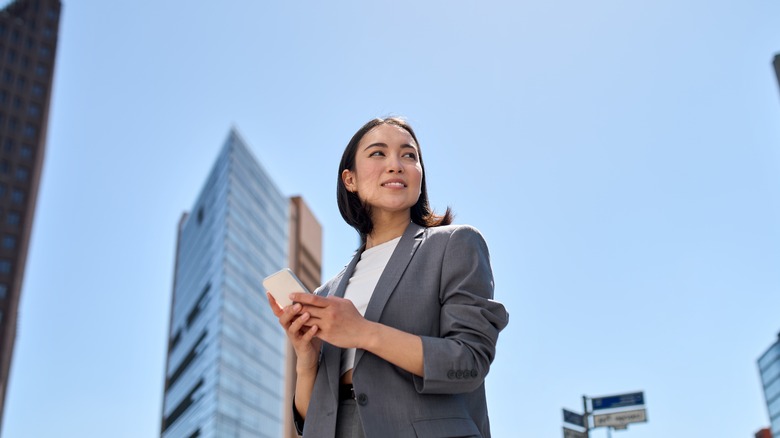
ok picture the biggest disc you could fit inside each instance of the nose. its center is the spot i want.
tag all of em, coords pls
(395, 166)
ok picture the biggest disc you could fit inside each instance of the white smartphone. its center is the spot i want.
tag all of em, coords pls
(281, 284)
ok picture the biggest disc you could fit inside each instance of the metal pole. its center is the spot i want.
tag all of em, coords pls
(585, 410)
(609, 432)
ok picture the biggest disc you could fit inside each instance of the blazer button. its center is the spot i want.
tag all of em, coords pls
(459, 374)
(473, 374)
(451, 374)
(362, 399)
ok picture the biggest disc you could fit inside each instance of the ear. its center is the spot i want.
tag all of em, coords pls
(348, 178)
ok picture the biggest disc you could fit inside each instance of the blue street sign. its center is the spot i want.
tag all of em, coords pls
(572, 418)
(618, 401)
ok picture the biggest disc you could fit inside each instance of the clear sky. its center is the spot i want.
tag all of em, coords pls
(622, 159)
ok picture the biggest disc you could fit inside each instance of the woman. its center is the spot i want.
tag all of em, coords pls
(399, 343)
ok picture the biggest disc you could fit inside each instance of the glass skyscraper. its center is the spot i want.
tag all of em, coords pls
(225, 371)
(769, 368)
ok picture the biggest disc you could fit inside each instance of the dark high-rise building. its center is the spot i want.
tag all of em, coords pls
(28, 44)
(228, 364)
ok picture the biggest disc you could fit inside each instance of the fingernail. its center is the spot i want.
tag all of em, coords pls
(297, 307)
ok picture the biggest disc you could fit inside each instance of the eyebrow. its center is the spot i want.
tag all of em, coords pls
(383, 145)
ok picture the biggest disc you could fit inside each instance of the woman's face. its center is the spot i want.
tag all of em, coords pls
(387, 175)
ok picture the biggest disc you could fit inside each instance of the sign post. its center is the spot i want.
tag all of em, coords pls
(618, 414)
(618, 401)
(571, 433)
(619, 420)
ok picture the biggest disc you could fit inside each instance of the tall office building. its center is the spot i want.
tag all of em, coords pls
(227, 366)
(28, 44)
(769, 368)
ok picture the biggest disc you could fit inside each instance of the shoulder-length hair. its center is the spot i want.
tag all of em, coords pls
(355, 212)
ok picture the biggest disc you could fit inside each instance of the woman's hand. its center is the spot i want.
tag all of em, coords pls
(336, 319)
(294, 322)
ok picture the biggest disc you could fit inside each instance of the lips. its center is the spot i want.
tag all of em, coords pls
(394, 183)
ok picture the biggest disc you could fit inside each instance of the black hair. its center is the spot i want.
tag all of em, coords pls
(355, 212)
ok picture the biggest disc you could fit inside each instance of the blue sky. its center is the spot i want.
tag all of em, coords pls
(621, 158)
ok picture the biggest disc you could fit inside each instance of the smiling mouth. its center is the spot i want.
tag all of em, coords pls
(394, 184)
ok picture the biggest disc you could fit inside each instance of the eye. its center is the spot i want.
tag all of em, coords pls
(377, 154)
(411, 155)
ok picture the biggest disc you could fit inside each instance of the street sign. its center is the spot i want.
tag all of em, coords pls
(570, 433)
(620, 419)
(618, 401)
(573, 418)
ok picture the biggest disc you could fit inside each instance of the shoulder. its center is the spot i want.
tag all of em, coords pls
(459, 232)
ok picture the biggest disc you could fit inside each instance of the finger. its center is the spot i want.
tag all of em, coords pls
(289, 314)
(298, 324)
(308, 335)
(275, 307)
(310, 299)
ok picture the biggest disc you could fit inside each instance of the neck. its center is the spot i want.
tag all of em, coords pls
(387, 229)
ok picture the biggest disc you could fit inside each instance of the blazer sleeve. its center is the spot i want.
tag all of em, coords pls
(469, 322)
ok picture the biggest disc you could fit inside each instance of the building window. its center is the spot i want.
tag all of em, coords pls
(3, 291)
(17, 196)
(12, 218)
(47, 32)
(17, 102)
(44, 51)
(11, 56)
(9, 242)
(22, 173)
(20, 83)
(8, 76)
(5, 166)
(12, 124)
(33, 110)
(3, 96)
(15, 36)
(3, 189)
(29, 130)
(41, 70)
(26, 151)
(5, 266)
(37, 90)
(8, 145)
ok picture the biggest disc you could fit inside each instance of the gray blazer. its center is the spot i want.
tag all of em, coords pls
(438, 284)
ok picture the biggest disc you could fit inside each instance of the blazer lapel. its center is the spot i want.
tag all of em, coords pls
(331, 356)
(348, 271)
(391, 275)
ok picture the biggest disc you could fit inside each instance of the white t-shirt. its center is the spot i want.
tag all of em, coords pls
(362, 284)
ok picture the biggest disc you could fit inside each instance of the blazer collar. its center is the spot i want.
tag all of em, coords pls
(402, 255)
(396, 266)
(392, 273)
